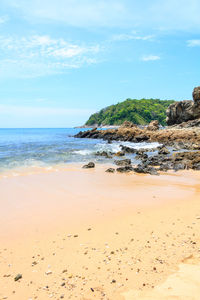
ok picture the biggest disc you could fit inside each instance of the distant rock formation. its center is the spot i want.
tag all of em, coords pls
(185, 110)
(128, 124)
(153, 125)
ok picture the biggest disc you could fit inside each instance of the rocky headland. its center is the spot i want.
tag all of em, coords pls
(179, 141)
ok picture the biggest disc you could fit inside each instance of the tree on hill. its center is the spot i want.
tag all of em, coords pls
(139, 112)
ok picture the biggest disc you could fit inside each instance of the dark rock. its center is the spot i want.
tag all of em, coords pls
(125, 169)
(157, 160)
(142, 156)
(163, 151)
(123, 162)
(141, 138)
(139, 169)
(89, 165)
(104, 154)
(17, 277)
(179, 166)
(110, 170)
(143, 169)
(191, 160)
(126, 149)
(196, 166)
(152, 171)
(141, 151)
(165, 167)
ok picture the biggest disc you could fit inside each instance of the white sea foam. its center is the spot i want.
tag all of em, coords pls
(83, 152)
(142, 145)
(115, 146)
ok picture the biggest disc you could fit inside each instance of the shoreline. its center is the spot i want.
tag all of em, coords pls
(99, 228)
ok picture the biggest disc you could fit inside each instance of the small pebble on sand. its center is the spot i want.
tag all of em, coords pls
(17, 277)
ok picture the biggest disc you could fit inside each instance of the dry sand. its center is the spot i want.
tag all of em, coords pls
(87, 234)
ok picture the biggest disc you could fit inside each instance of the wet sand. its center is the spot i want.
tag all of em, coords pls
(87, 234)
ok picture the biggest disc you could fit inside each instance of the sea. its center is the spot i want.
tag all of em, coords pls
(50, 147)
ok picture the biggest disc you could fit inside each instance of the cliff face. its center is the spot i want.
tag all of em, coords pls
(184, 111)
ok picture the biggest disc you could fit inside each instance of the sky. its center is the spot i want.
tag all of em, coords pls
(62, 60)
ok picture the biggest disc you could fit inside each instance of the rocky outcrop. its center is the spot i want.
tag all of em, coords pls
(184, 111)
(128, 124)
(166, 136)
(153, 125)
(188, 124)
(196, 94)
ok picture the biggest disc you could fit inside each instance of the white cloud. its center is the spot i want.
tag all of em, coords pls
(128, 37)
(150, 57)
(42, 55)
(193, 43)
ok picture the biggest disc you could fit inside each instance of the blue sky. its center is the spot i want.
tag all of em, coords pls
(62, 60)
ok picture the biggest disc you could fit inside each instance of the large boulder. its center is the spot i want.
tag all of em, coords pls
(185, 110)
(123, 162)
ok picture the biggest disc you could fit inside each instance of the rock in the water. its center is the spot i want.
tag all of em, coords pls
(141, 151)
(164, 151)
(89, 165)
(120, 153)
(153, 125)
(127, 149)
(104, 154)
(110, 170)
(17, 277)
(142, 156)
(141, 138)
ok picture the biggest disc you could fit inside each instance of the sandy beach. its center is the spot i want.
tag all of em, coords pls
(86, 234)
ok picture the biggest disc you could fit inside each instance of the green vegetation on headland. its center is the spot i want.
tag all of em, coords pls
(136, 111)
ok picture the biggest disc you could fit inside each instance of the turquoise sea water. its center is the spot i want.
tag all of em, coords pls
(47, 147)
